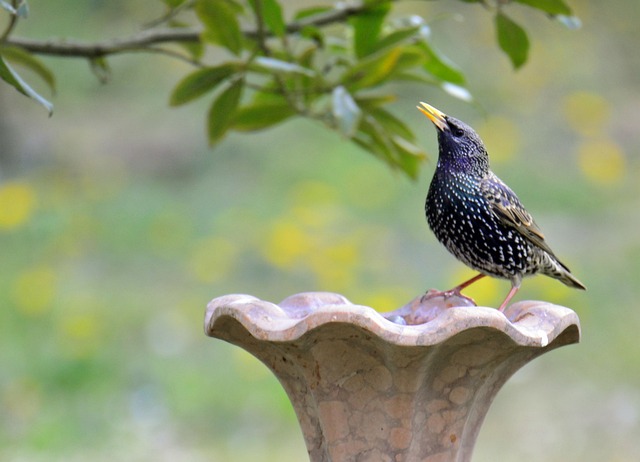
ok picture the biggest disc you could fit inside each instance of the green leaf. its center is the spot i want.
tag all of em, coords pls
(12, 78)
(548, 6)
(409, 156)
(380, 137)
(337, 45)
(366, 29)
(345, 111)
(311, 11)
(369, 146)
(410, 56)
(416, 77)
(200, 82)
(100, 68)
(383, 66)
(512, 39)
(259, 116)
(395, 151)
(195, 49)
(273, 17)
(223, 111)
(439, 66)
(313, 33)
(173, 3)
(306, 56)
(373, 70)
(373, 141)
(26, 59)
(396, 37)
(273, 65)
(370, 102)
(221, 24)
(392, 124)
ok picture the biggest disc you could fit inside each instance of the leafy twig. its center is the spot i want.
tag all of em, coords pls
(76, 49)
(13, 21)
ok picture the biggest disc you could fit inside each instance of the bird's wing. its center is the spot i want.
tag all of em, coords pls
(506, 206)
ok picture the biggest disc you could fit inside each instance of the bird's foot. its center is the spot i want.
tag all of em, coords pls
(427, 307)
(447, 294)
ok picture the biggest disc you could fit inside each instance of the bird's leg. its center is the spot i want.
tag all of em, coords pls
(455, 291)
(514, 288)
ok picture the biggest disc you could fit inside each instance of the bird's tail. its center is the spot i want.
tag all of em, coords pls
(571, 281)
(563, 274)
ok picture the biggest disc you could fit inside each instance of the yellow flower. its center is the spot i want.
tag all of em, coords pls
(384, 299)
(79, 334)
(286, 245)
(34, 289)
(602, 161)
(587, 112)
(17, 202)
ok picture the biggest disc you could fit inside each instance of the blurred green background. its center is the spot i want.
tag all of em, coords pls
(118, 224)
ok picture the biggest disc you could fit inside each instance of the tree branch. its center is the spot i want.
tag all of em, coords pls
(145, 39)
(75, 49)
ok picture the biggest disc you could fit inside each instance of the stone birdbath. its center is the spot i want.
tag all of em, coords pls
(412, 385)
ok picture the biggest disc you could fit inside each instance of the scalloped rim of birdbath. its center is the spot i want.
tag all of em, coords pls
(527, 323)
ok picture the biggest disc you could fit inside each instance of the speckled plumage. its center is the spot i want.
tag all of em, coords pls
(478, 218)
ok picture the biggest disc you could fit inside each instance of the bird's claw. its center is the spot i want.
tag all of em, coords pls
(446, 294)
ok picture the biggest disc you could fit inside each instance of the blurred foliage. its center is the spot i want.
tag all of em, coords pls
(117, 225)
(275, 69)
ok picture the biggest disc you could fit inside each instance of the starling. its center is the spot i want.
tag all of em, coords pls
(478, 218)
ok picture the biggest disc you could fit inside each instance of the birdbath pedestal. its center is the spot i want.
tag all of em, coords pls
(412, 385)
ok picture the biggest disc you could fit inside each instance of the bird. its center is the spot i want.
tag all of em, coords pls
(479, 219)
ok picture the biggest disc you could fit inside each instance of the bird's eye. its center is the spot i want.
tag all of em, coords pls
(457, 131)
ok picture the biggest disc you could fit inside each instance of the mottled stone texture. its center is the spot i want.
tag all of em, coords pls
(408, 386)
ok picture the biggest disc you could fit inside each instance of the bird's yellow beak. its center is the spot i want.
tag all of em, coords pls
(434, 116)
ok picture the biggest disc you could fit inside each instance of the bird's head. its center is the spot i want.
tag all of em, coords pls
(458, 143)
